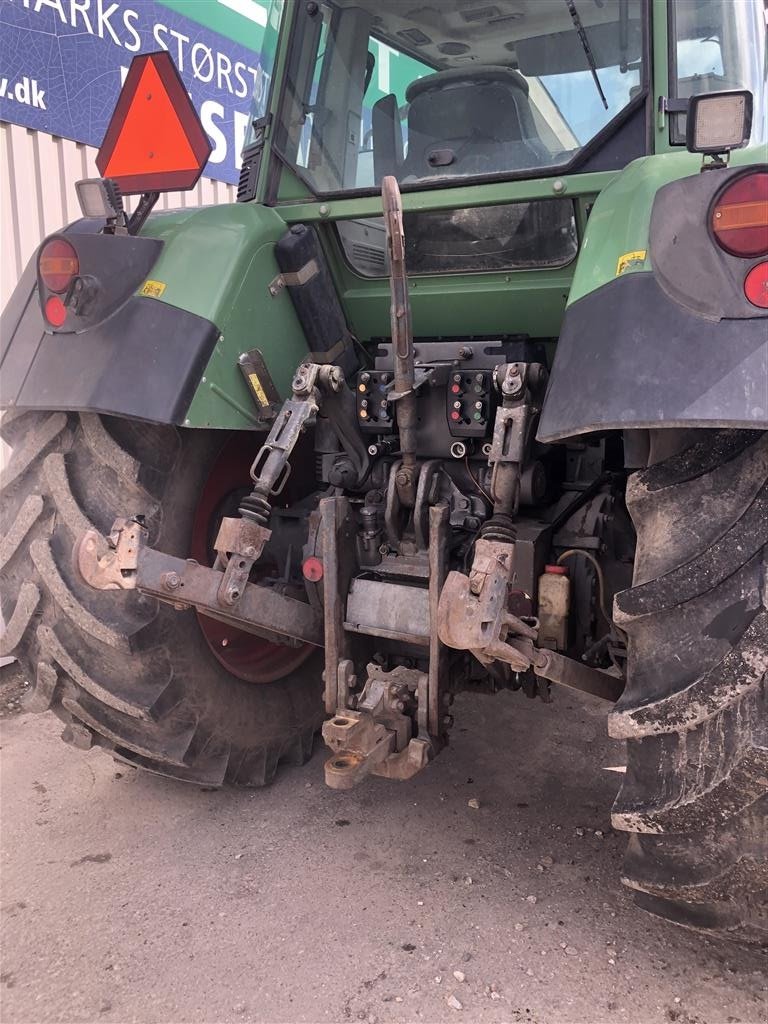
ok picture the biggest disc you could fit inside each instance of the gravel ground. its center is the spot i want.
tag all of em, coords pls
(126, 897)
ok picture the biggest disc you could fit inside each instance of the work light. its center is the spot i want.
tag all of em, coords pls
(99, 197)
(719, 121)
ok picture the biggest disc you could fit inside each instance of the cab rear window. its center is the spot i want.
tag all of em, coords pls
(515, 236)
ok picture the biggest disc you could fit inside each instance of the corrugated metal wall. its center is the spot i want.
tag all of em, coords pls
(37, 195)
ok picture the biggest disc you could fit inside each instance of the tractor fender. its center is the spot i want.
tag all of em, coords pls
(169, 349)
(658, 331)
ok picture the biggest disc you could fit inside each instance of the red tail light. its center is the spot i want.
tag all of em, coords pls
(58, 265)
(756, 285)
(740, 216)
(55, 311)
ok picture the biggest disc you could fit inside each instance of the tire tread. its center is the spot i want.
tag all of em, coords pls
(694, 712)
(104, 663)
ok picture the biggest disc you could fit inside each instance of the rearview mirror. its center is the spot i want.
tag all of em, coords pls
(719, 121)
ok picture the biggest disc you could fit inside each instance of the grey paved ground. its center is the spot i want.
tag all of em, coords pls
(129, 898)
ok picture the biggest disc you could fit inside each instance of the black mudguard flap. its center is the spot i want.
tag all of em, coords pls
(145, 362)
(629, 357)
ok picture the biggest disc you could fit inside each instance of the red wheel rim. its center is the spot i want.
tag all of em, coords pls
(246, 656)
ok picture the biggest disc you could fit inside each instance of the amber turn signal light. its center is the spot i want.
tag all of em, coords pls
(58, 265)
(740, 216)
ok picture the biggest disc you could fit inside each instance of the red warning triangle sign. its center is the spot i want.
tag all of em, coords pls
(155, 141)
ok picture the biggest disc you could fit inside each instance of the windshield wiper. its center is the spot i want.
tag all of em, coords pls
(586, 47)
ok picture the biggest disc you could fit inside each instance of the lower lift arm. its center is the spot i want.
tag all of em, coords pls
(472, 616)
(123, 561)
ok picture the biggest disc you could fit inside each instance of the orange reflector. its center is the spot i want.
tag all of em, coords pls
(155, 141)
(740, 216)
(58, 265)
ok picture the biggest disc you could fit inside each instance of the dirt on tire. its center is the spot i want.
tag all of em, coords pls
(121, 670)
(694, 713)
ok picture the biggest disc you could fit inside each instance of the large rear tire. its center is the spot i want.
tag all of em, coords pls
(695, 793)
(123, 671)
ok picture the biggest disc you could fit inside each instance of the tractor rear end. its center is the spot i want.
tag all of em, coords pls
(466, 394)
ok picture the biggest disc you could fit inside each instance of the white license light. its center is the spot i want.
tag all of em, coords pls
(719, 121)
(99, 197)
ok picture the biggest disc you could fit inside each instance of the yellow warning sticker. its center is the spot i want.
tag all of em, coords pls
(152, 289)
(258, 390)
(628, 259)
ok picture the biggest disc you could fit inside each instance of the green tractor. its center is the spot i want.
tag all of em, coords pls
(469, 391)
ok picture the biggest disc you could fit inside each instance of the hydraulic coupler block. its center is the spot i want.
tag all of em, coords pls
(375, 410)
(470, 399)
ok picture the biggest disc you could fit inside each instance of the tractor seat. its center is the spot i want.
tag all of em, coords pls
(471, 121)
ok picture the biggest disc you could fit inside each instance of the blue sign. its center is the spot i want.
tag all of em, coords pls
(62, 63)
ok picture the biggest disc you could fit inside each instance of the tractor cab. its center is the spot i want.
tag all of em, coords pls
(451, 95)
(432, 93)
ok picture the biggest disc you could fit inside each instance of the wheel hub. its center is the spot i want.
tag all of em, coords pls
(248, 657)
